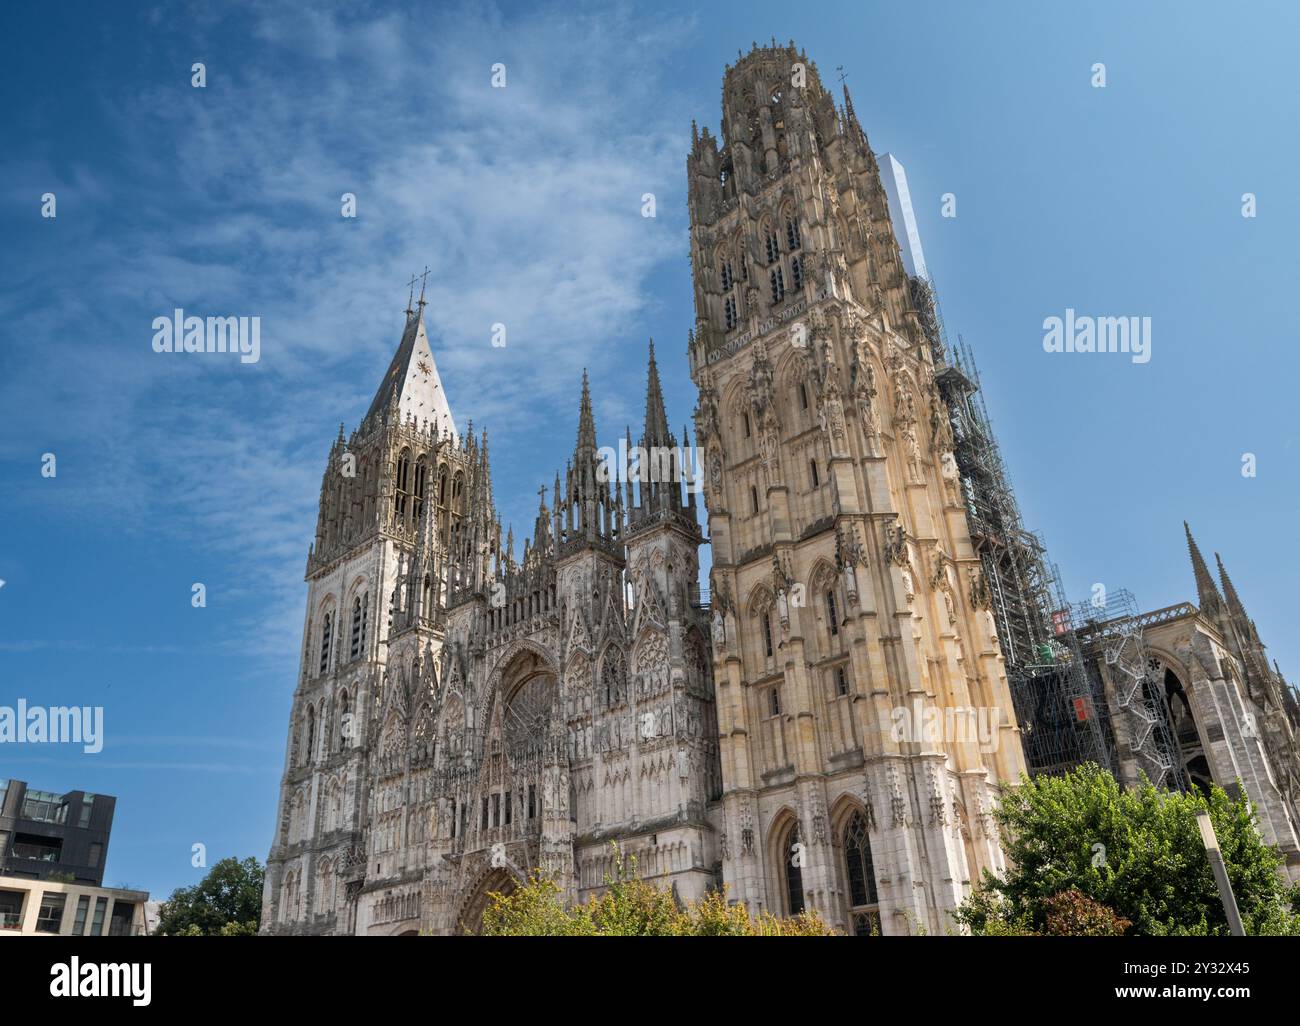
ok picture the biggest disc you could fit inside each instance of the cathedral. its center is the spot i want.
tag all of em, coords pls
(799, 732)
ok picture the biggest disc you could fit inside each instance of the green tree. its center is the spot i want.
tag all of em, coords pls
(226, 903)
(630, 907)
(1090, 857)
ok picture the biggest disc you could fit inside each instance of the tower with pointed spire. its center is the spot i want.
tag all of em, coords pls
(405, 514)
(465, 714)
(846, 596)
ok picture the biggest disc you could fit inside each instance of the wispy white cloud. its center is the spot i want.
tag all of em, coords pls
(524, 202)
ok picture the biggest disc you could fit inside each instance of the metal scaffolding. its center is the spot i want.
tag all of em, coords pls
(1109, 632)
(1059, 703)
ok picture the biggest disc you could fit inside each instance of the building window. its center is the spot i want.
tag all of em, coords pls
(796, 272)
(841, 681)
(532, 800)
(832, 614)
(97, 924)
(727, 279)
(753, 499)
(87, 806)
(96, 853)
(51, 913)
(44, 807)
(485, 813)
(773, 247)
(816, 479)
(792, 234)
(496, 810)
(345, 722)
(453, 817)
(417, 500)
(792, 856)
(777, 280)
(729, 312)
(864, 903)
(803, 396)
(403, 480)
(326, 636)
(745, 417)
(767, 634)
(357, 614)
(774, 702)
(11, 910)
(83, 907)
(507, 805)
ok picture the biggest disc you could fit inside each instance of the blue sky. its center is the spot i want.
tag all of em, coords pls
(525, 203)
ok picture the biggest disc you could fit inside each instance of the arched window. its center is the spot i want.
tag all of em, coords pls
(796, 272)
(832, 614)
(792, 856)
(426, 598)
(727, 279)
(417, 501)
(403, 484)
(729, 312)
(777, 280)
(792, 239)
(311, 736)
(345, 720)
(860, 873)
(326, 637)
(772, 244)
(325, 889)
(358, 617)
(289, 899)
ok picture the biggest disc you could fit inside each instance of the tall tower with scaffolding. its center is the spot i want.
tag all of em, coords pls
(1059, 703)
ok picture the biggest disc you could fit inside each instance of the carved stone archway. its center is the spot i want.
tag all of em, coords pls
(469, 914)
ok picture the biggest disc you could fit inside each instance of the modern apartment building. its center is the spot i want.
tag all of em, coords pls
(52, 853)
(45, 835)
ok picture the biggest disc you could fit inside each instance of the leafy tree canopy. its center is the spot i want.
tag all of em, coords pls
(1088, 857)
(226, 903)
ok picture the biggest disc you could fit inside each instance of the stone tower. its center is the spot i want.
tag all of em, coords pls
(464, 717)
(865, 721)
(392, 496)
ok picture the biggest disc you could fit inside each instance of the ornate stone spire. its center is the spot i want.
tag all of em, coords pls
(586, 425)
(411, 387)
(656, 418)
(1207, 595)
(1235, 609)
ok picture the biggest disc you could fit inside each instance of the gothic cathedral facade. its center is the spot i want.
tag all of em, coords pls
(828, 728)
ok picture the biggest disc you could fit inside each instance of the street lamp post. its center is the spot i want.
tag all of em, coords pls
(1220, 872)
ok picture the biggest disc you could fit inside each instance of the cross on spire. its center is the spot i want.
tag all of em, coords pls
(423, 279)
(843, 74)
(410, 298)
